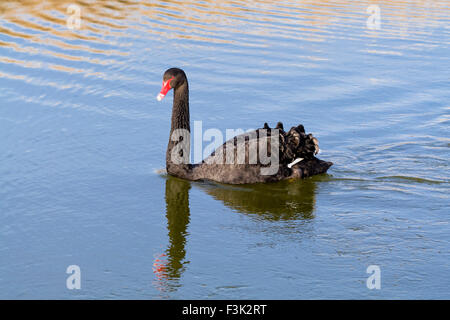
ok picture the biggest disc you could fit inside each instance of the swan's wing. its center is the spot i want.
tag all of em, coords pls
(241, 149)
(239, 160)
(248, 147)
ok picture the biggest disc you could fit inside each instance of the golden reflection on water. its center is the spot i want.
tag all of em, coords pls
(108, 26)
(209, 18)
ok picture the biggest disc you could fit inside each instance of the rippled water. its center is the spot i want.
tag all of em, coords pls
(83, 140)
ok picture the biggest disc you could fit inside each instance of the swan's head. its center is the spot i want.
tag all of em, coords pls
(173, 78)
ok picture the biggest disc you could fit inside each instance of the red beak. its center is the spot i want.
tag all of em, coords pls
(165, 88)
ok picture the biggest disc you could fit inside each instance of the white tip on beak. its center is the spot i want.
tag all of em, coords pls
(159, 97)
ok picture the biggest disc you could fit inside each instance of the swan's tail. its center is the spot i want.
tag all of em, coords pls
(296, 144)
(298, 150)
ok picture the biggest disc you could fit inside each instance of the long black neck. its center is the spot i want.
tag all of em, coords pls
(180, 109)
(180, 120)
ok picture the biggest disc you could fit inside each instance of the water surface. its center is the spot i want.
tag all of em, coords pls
(83, 141)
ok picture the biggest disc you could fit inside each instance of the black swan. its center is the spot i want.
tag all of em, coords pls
(293, 152)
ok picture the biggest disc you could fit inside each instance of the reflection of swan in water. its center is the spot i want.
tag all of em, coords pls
(281, 200)
(177, 213)
(170, 265)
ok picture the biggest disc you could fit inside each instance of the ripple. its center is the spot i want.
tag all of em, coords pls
(411, 179)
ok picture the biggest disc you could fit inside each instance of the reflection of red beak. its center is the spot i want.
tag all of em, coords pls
(165, 88)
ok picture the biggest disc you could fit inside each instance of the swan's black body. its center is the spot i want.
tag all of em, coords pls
(293, 144)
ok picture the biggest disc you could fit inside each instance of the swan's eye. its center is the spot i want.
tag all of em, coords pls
(165, 88)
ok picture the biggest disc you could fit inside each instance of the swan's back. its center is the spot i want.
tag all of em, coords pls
(263, 155)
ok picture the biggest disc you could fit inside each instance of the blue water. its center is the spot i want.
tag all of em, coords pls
(83, 141)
